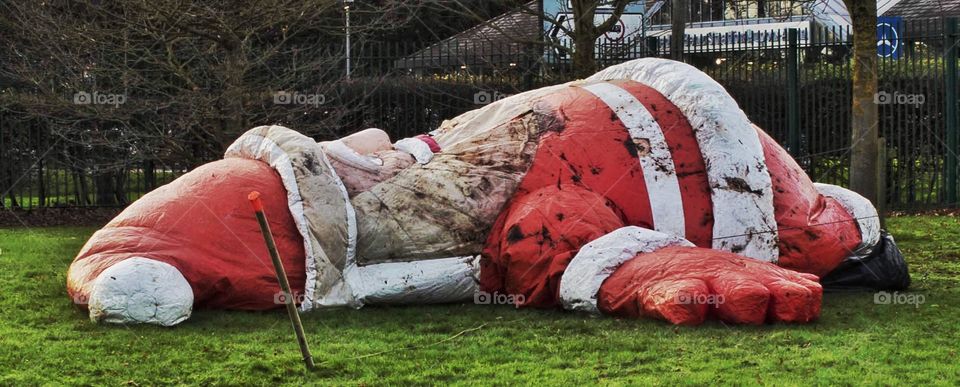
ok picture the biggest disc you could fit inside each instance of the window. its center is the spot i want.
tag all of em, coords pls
(720, 10)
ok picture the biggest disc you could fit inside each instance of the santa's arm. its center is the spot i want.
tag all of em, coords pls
(634, 272)
(566, 245)
(537, 236)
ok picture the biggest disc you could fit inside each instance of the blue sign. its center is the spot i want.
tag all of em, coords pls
(889, 44)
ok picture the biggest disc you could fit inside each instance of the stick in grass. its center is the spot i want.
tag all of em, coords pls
(254, 198)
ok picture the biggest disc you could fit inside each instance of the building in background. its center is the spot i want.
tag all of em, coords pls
(713, 26)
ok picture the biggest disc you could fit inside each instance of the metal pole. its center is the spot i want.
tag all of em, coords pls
(254, 198)
(882, 182)
(346, 9)
(793, 93)
(950, 96)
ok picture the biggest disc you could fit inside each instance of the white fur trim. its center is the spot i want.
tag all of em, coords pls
(350, 262)
(141, 291)
(255, 146)
(258, 147)
(417, 282)
(416, 147)
(659, 172)
(741, 188)
(868, 220)
(598, 259)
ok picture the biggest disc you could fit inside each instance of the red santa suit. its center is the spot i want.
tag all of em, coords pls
(641, 191)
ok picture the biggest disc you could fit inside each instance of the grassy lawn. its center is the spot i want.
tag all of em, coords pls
(45, 340)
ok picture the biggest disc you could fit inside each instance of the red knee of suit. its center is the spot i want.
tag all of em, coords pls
(203, 225)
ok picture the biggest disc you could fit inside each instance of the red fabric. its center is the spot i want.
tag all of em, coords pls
(815, 232)
(687, 161)
(203, 225)
(592, 151)
(684, 285)
(434, 147)
(542, 233)
(590, 158)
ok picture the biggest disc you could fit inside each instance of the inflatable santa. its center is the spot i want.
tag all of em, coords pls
(641, 191)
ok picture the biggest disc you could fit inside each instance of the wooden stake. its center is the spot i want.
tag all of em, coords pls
(254, 198)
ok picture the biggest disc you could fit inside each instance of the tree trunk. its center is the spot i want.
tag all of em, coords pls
(103, 182)
(678, 25)
(864, 165)
(149, 176)
(232, 101)
(584, 39)
(584, 50)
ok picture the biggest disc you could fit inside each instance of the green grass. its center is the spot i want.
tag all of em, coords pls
(45, 340)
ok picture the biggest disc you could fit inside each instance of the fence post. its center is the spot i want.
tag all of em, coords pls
(793, 92)
(950, 98)
(882, 182)
(652, 46)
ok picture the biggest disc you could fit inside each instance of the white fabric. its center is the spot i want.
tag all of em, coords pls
(141, 291)
(256, 146)
(598, 259)
(418, 282)
(659, 172)
(742, 192)
(344, 294)
(419, 149)
(868, 220)
(439, 280)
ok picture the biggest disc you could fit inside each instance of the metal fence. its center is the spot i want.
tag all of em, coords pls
(795, 85)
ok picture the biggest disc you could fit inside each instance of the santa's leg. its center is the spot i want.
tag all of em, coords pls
(193, 242)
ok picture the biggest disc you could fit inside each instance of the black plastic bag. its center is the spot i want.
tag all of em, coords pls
(883, 269)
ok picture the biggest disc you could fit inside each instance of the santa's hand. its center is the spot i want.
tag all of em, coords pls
(667, 278)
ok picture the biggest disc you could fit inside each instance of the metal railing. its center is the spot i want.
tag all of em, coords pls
(794, 84)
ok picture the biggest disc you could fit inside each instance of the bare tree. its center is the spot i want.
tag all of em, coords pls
(586, 31)
(175, 81)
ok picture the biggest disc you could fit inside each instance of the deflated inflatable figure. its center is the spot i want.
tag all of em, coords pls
(642, 191)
